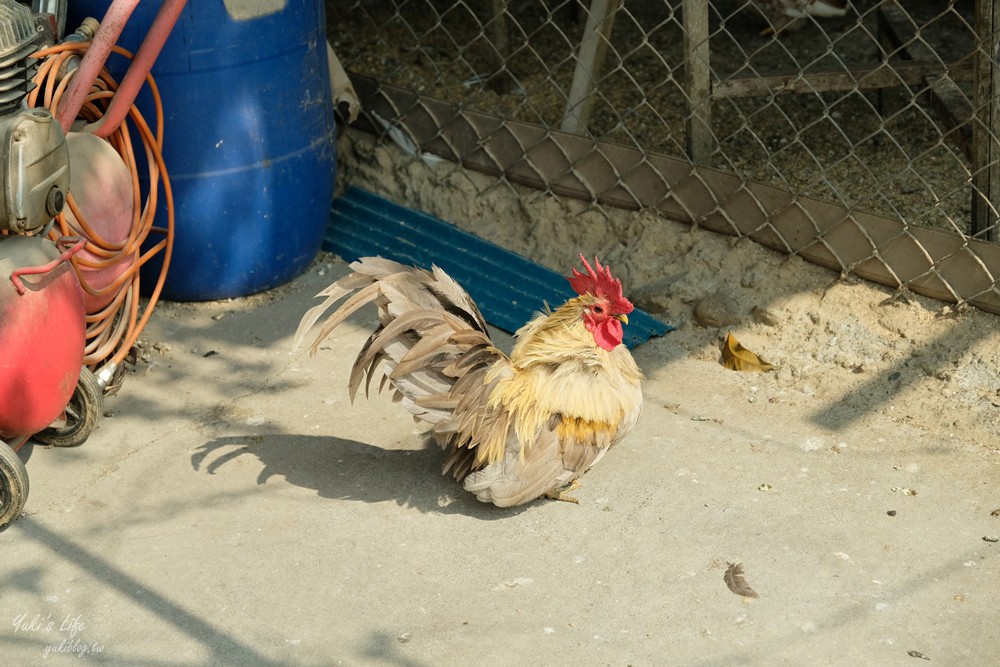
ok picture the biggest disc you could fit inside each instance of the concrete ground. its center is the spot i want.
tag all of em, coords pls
(234, 508)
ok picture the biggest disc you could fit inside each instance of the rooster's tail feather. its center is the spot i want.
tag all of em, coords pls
(430, 336)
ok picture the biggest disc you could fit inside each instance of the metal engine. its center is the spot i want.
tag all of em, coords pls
(34, 158)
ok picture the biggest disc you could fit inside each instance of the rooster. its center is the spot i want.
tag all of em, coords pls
(514, 428)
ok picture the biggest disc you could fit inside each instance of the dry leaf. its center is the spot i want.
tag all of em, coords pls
(737, 582)
(735, 357)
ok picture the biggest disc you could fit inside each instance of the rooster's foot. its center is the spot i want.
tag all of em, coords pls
(562, 493)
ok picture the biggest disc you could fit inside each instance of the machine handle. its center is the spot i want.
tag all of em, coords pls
(15, 275)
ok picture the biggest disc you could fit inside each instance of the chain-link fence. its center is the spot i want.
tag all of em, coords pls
(860, 135)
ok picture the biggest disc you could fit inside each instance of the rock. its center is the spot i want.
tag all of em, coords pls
(717, 310)
(751, 279)
(764, 316)
(655, 296)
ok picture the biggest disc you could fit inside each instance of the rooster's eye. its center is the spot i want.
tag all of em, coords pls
(598, 310)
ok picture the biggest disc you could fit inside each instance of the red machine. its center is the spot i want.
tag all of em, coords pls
(73, 232)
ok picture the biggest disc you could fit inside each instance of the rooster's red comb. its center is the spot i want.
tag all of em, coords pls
(600, 283)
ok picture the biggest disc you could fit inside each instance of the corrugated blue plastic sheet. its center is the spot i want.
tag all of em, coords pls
(508, 289)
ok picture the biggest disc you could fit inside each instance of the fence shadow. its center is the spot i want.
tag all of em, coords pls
(889, 384)
(223, 646)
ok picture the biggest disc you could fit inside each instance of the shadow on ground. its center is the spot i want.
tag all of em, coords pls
(223, 646)
(348, 470)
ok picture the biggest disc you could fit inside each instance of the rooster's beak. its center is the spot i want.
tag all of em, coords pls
(623, 318)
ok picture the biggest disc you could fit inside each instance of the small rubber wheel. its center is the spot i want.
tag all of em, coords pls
(84, 409)
(13, 485)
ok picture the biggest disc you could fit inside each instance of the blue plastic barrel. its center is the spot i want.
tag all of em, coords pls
(249, 139)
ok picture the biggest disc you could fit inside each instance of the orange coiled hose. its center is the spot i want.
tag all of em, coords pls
(113, 330)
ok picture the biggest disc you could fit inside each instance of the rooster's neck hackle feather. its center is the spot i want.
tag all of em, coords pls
(559, 370)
